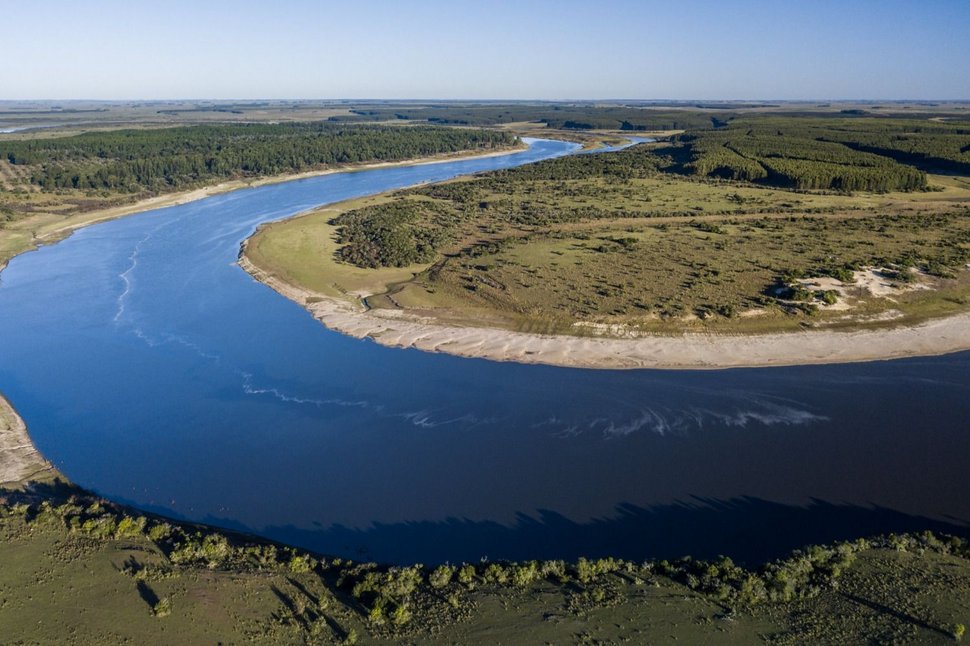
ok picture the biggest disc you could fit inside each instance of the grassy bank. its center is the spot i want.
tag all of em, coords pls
(80, 568)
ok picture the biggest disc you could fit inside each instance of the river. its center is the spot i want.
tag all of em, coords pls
(150, 368)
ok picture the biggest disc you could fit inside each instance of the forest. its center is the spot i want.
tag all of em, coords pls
(844, 154)
(166, 158)
(848, 150)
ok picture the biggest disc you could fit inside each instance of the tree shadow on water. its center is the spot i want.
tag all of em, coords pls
(749, 530)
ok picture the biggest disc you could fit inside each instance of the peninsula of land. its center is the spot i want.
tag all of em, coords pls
(763, 241)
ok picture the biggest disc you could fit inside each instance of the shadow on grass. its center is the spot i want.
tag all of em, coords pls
(147, 595)
(899, 615)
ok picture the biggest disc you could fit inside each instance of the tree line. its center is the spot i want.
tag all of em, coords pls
(570, 117)
(160, 159)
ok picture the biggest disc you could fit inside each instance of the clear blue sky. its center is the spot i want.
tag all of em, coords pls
(485, 49)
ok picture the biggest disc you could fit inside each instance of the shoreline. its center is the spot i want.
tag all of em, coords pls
(20, 461)
(393, 328)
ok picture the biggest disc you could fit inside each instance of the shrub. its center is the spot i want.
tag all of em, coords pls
(102, 528)
(524, 574)
(495, 573)
(466, 575)
(376, 614)
(584, 570)
(130, 527)
(159, 532)
(301, 563)
(162, 608)
(441, 576)
(555, 570)
(829, 296)
(401, 615)
(215, 550)
(843, 274)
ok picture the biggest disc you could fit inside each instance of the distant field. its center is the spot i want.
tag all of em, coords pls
(647, 241)
(73, 568)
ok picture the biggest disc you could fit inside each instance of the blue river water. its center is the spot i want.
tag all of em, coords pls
(150, 368)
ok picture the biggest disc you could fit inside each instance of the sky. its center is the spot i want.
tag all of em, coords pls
(485, 49)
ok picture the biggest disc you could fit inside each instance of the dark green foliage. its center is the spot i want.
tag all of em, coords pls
(717, 160)
(161, 159)
(394, 235)
(828, 296)
(872, 154)
(803, 154)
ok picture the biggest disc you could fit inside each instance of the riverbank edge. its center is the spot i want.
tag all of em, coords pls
(20, 461)
(689, 351)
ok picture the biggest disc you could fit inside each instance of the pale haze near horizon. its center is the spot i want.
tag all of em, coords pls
(433, 49)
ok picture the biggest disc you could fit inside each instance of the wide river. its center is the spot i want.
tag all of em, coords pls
(150, 368)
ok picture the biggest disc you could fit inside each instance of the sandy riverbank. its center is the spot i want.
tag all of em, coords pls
(689, 351)
(19, 459)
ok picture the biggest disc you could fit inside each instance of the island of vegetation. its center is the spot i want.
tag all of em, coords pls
(709, 248)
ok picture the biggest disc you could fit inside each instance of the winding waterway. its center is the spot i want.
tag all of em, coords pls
(150, 368)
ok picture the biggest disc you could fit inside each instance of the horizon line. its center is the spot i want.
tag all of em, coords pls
(497, 100)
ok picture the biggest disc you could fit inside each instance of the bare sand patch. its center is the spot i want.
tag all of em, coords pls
(19, 459)
(876, 282)
(686, 351)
